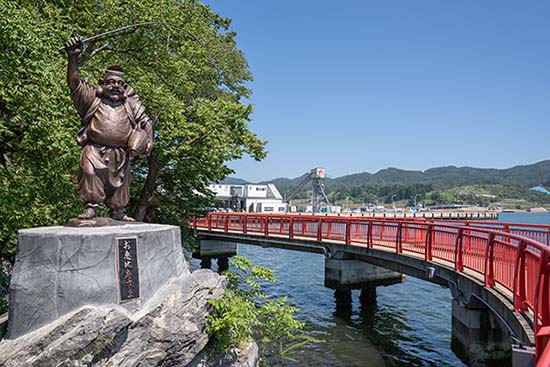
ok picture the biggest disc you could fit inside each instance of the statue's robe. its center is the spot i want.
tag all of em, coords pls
(104, 174)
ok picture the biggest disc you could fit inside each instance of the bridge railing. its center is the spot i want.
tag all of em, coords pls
(537, 232)
(505, 254)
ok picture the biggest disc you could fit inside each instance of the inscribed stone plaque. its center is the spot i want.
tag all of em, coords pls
(128, 272)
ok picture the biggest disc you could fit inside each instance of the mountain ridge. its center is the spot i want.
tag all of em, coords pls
(537, 173)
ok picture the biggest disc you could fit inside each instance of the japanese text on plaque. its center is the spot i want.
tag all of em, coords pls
(128, 274)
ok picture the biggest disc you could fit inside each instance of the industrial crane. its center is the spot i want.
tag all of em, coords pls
(317, 178)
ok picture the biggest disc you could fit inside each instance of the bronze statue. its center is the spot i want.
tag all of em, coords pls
(114, 128)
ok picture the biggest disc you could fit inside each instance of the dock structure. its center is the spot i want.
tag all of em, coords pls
(458, 215)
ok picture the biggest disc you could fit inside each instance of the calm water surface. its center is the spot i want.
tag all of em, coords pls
(410, 324)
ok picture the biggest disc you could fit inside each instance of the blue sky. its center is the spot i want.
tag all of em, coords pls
(357, 86)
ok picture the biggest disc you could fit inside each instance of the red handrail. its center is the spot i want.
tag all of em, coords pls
(519, 263)
(537, 232)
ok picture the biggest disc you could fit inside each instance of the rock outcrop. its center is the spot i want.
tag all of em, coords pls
(169, 330)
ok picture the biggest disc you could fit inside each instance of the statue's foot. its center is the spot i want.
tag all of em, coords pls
(118, 214)
(88, 213)
(126, 218)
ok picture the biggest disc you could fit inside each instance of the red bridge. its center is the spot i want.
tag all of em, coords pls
(509, 263)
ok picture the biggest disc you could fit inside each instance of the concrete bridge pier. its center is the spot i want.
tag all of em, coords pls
(343, 300)
(223, 263)
(345, 274)
(368, 296)
(215, 249)
(206, 263)
(478, 338)
(357, 274)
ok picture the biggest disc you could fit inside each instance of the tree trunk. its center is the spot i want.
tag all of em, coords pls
(148, 188)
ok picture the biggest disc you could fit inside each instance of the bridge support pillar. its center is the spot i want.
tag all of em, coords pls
(206, 263)
(343, 300)
(214, 249)
(344, 275)
(368, 296)
(477, 336)
(223, 263)
(356, 274)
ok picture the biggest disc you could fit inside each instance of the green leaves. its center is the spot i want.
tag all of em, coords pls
(246, 312)
(233, 321)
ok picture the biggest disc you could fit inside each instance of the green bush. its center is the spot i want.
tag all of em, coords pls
(246, 313)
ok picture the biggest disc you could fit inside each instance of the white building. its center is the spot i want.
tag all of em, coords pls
(250, 198)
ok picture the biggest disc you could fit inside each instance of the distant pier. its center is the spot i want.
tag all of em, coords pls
(456, 215)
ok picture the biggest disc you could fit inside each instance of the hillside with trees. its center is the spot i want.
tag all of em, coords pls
(441, 185)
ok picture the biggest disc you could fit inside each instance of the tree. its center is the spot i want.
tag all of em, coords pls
(187, 70)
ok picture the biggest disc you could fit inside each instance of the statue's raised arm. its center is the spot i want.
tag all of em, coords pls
(74, 48)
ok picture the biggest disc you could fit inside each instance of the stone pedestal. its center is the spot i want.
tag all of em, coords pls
(59, 269)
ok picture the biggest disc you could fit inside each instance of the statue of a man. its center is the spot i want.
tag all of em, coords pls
(114, 127)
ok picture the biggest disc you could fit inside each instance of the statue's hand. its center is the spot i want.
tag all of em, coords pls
(74, 46)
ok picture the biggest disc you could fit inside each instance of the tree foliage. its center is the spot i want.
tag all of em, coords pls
(187, 70)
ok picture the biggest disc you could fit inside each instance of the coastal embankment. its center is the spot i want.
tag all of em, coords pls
(458, 215)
